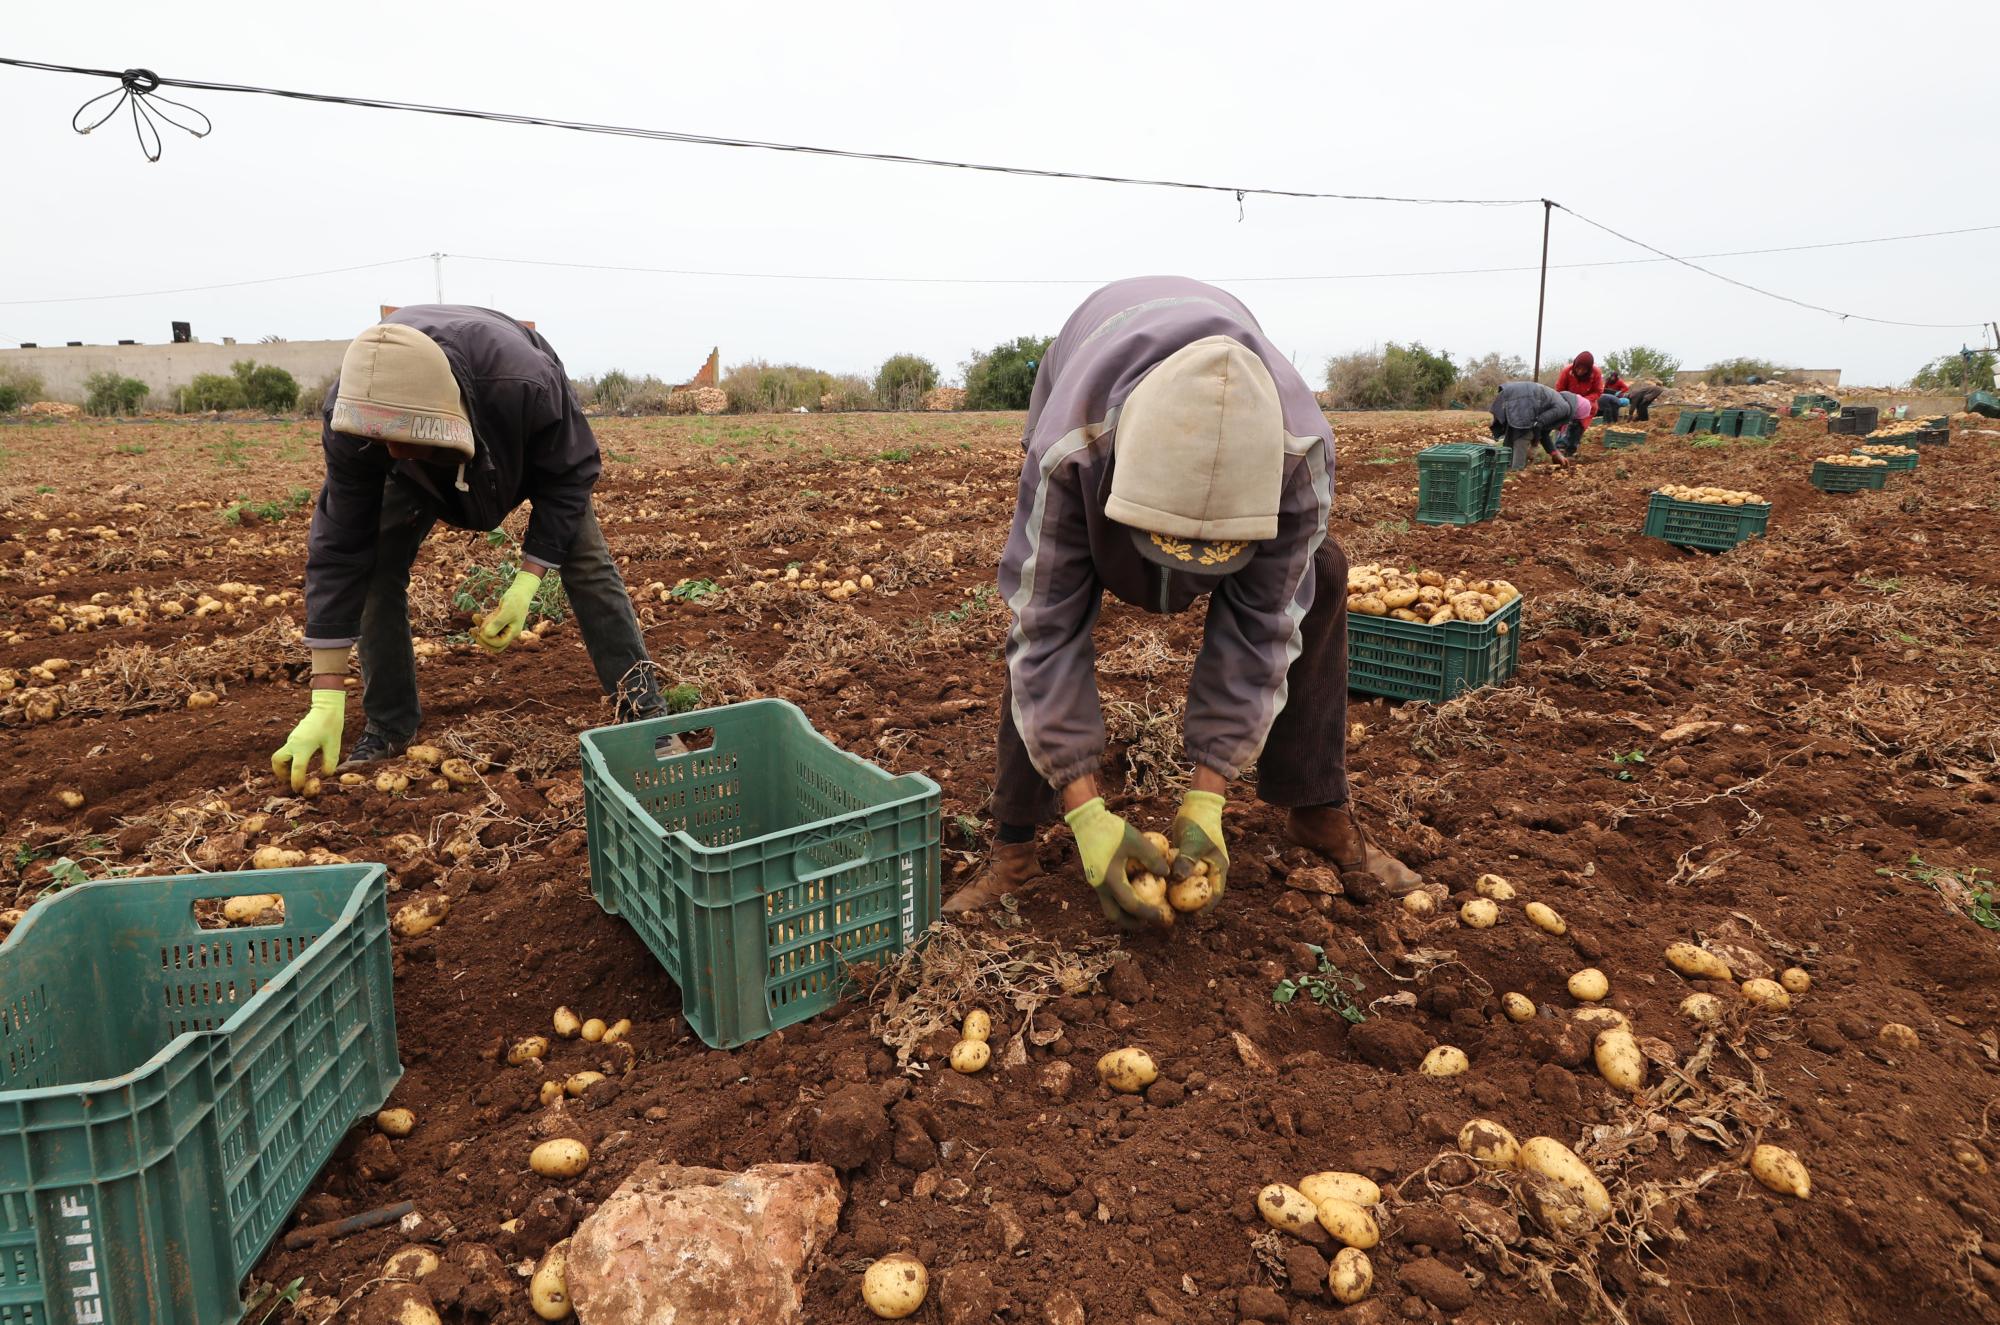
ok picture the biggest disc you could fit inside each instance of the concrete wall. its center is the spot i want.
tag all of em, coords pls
(164, 368)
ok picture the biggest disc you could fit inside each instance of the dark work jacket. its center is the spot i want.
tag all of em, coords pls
(530, 441)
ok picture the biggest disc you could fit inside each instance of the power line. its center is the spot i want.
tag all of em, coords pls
(139, 83)
(220, 285)
(1755, 289)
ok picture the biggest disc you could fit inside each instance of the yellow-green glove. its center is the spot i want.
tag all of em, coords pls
(1197, 836)
(318, 732)
(1108, 846)
(504, 622)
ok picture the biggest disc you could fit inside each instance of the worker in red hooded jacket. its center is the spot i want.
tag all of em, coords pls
(1581, 378)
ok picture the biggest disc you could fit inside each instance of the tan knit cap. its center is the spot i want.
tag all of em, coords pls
(1201, 455)
(397, 386)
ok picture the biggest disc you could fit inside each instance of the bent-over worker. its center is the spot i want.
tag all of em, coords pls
(1172, 452)
(445, 412)
(1527, 412)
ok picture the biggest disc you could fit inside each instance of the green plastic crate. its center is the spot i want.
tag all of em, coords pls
(1617, 440)
(1684, 422)
(1756, 423)
(1460, 482)
(1706, 525)
(1704, 420)
(1809, 401)
(1984, 403)
(760, 868)
(167, 1092)
(1406, 660)
(1728, 422)
(1897, 464)
(1849, 478)
(1928, 436)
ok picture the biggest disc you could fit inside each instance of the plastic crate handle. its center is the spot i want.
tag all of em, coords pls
(806, 870)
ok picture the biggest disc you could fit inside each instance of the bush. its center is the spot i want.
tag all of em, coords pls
(849, 392)
(266, 387)
(108, 393)
(1635, 363)
(312, 399)
(1949, 373)
(1004, 376)
(1393, 377)
(1481, 379)
(759, 387)
(1729, 372)
(213, 391)
(902, 381)
(609, 392)
(18, 387)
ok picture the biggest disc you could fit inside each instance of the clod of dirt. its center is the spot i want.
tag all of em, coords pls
(1393, 1045)
(1488, 1221)
(966, 1296)
(375, 1159)
(1056, 1079)
(1436, 1283)
(549, 1218)
(1127, 982)
(1306, 1269)
(1559, 1042)
(1257, 1302)
(1062, 1308)
(1555, 1085)
(1429, 1226)
(850, 1130)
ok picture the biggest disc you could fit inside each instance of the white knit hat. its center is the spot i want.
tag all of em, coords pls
(397, 386)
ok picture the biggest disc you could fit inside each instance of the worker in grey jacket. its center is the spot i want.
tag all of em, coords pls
(1526, 412)
(445, 412)
(1172, 453)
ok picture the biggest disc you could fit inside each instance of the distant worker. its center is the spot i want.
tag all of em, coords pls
(1174, 452)
(444, 412)
(1528, 412)
(1582, 377)
(1614, 397)
(1642, 399)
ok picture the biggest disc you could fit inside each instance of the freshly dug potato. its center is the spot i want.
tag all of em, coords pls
(1555, 1161)
(616, 1031)
(1897, 1036)
(548, 1291)
(1795, 979)
(978, 1026)
(1596, 1019)
(1703, 1008)
(1368, 605)
(560, 1158)
(1589, 985)
(1286, 1208)
(1350, 1276)
(458, 772)
(1127, 1071)
(242, 910)
(420, 916)
(1619, 1060)
(1336, 1185)
(567, 1023)
(1160, 844)
(1518, 1007)
(1420, 904)
(1444, 1061)
(1545, 919)
(409, 1265)
(396, 1122)
(1148, 888)
(1350, 1225)
(1494, 887)
(1479, 913)
(533, 1046)
(593, 1030)
(894, 1287)
(1697, 963)
(391, 783)
(1489, 1143)
(551, 1092)
(71, 798)
(1191, 894)
(202, 699)
(1767, 994)
(1780, 1170)
(276, 858)
(970, 1056)
(580, 1082)
(416, 1311)
(424, 756)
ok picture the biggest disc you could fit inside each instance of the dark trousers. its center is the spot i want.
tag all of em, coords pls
(590, 579)
(1642, 401)
(1518, 440)
(1607, 409)
(1305, 756)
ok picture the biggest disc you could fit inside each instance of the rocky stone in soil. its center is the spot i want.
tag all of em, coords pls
(850, 1129)
(741, 1245)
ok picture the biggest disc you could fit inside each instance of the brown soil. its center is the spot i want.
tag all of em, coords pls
(1851, 658)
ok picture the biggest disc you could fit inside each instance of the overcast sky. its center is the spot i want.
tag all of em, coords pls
(1697, 127)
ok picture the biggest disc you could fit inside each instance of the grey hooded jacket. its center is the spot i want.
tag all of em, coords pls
(530, 443)
(1064, 552)
(1530, 405)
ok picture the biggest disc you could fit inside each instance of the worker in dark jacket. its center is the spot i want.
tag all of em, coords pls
(1614, 397)
(1642, 400)
(1173, 452)
(458, 414)
(1528, 412)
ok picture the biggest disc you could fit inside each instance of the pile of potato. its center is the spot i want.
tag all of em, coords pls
(1713, 496)
(1887, 450)
(1182, 895)
(1853, 461)
(1342, 1204)
(1426, 597)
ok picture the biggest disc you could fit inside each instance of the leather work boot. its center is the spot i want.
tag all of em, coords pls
(1335, 832)
(1010, 869)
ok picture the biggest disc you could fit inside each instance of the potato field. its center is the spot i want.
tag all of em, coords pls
(1695, 1022)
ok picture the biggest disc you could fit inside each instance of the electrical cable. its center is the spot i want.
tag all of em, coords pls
(221, 285)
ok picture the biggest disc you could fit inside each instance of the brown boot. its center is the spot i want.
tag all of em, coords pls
(1335, 832)
(1010, 869)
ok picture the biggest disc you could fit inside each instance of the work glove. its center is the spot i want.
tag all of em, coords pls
(319, 731)
(1109, 847)
(504, 622)
(1197, 836)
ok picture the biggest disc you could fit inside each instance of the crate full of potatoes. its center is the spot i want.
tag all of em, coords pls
(1713, 519)
(1894, 456)
(1422, 634)
(1849, 473)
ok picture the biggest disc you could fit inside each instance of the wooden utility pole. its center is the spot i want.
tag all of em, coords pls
(1542, 299)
